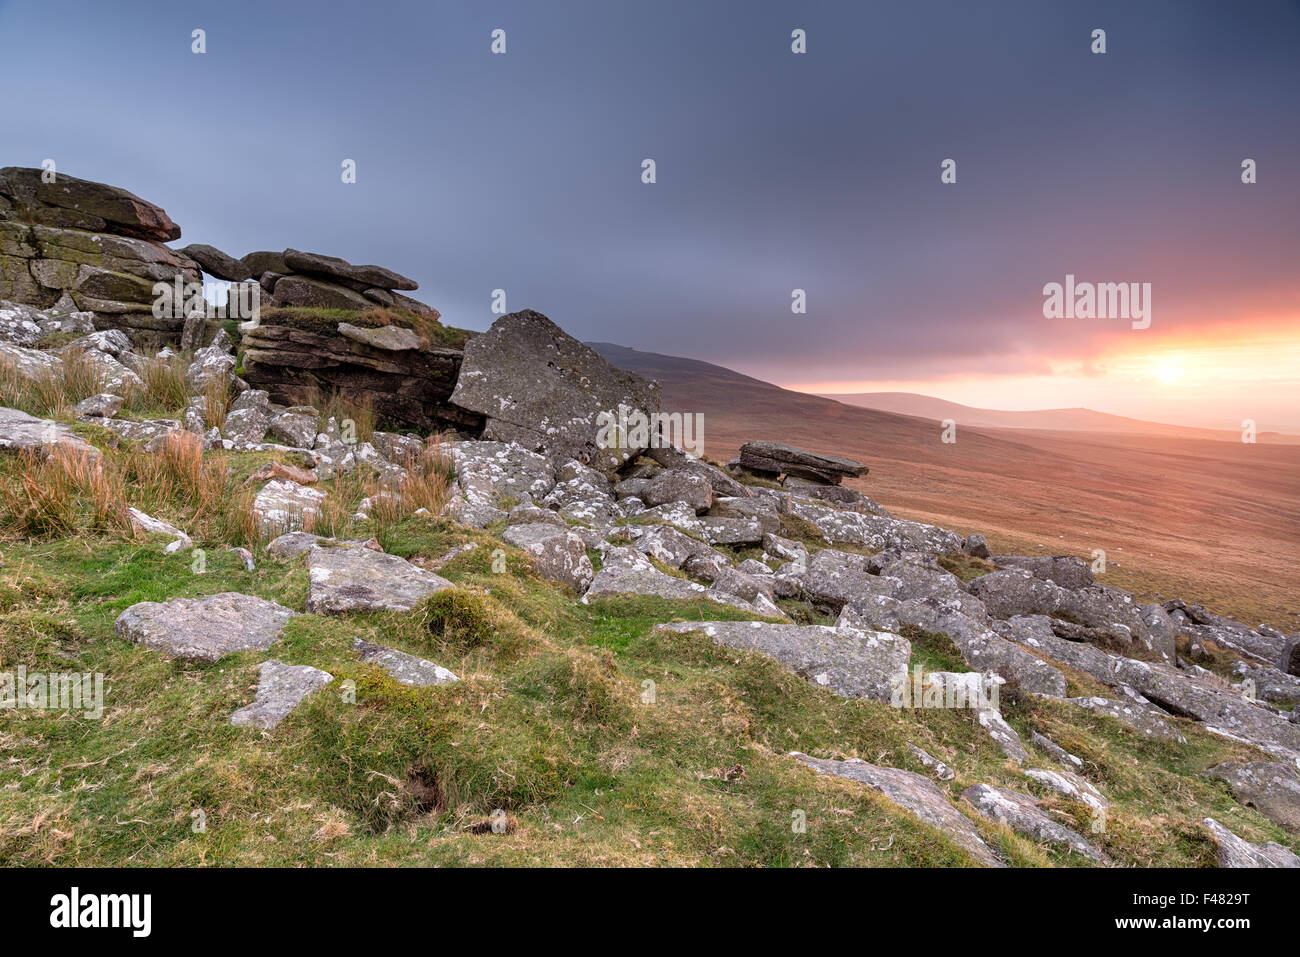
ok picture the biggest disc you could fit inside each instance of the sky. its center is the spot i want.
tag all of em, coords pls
(774, 171)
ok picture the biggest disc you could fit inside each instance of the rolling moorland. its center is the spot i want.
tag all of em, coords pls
(348, 586)
(1175, 516)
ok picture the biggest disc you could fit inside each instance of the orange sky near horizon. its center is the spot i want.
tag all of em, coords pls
(1211, 377)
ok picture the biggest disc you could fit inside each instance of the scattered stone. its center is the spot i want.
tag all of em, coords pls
(914, 793)
(626, 572)
(294, 427)
(246, 426)
(204, 629)
(1236, 852)
(280, 689)
(1056, 752)
(976, 546)
(278, 470)
(678, 485)
(1021, 813)
(1145, 720)
(293, 544)
(357, 579)
(1065, 570)
(408, 669)
(143, 524)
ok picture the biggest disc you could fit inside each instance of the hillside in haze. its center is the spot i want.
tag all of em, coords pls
(1069, 420)
(1176, 514)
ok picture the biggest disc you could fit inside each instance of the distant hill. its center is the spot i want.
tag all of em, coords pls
(1178, 511)
(1067, 420)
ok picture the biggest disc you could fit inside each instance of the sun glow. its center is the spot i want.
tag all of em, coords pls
(1168, 369)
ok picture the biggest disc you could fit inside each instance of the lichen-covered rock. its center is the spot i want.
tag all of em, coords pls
(1071, 785)
(1237, 852)
(1021, 813)
(627, 572)
(488, 473)
(1147, 721)
(914, 793)
(541, 388)
(346, 580)
(285, 506)
(846, 662)
(678, 485)
(105, 404)
(20, 433)
(558, 554)
(204, 629)
(216, 263)
(280, 689)
(408, 669)
(1270, 787)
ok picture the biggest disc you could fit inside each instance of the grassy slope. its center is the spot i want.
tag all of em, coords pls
(549, 724)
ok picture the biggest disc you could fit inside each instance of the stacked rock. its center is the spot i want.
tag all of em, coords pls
(312, 280)
(773, 459)
(73, 245)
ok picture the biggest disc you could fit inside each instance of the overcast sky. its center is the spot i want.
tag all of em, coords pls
(775, 171)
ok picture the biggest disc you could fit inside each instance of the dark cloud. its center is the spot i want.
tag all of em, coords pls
(775, 171)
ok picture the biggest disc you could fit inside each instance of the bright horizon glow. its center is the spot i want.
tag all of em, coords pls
(1212, 379)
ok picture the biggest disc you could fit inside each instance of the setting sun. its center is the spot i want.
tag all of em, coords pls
(1168, 369)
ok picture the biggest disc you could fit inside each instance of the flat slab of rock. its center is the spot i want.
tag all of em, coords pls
(778, 458)
(376, 276)
(540, 387)
(346, 580)
(391, 338)
(408, 669)
(293, 544)
(20, 432)
(849, 663)
(81, 204)
(280, 689)
(204, 629)
(1270, 787)
(1021, 813)
(1146, 721)
(1237, 852)
(914, 793)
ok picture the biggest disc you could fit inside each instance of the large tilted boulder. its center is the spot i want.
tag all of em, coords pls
(88, 246)
(541, 388)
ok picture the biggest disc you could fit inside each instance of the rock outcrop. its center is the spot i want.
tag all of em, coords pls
(406, 377)
(76, 245)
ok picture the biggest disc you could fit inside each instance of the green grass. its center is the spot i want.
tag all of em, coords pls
(552, 723)
(609, 742)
